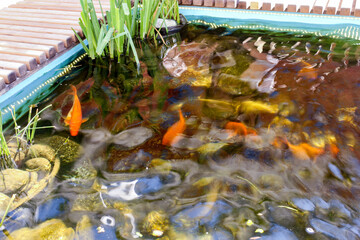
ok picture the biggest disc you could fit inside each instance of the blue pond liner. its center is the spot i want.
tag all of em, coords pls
(39, 85)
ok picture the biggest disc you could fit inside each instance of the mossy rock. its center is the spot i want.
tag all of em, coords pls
(234, 85)
(38, 164)
(51, 229)
(14, 180)
(67, 150)
(42, 151)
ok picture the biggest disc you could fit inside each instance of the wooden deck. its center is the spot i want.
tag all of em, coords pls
(34, 32)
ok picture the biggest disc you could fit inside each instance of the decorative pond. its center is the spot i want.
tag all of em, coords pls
(222, 134)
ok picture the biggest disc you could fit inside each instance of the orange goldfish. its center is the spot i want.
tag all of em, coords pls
(74, 117)
(308, 71)
(175, 130)
(303, 151)
(238, 128)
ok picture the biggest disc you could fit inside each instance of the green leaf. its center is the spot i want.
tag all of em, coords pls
(104, 42)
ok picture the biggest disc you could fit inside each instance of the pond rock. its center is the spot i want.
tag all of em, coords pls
(42, 150)
(339, 207)
(304, 204)
(16, 219)
(67, 150)
(335, 171)
(282, 216)
(331, 230)
(38, 164)
(52, 208)
(84, 229)
(320, 203)
(271, 182)
(134, 162)
(12, 180)
(132, 137)
(279, 233)
(206, 214)
(4, 202)
(156, 223)
(234, 85)
(51, 229)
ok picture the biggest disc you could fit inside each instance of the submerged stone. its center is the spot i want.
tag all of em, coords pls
(319, 202)
(67, 150)
(133, 137)
(304, 204)
(4, 202)
(279, 233)
(340, 207)
(271, 182)
(51, 229)
(134, 162)
(331, 230)
(202, 214)
(52, 208)
(38, 164)
(13, 180)
(335, 171)
(16, 219)
(43, 151)
(156, 223)
(84, 229)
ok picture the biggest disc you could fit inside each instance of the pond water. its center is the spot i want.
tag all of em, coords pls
(241, 134)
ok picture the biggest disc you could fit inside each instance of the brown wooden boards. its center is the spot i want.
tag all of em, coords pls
(19, 68)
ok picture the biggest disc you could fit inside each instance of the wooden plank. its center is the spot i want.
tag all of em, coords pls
(39, 15)
(242, 5)
(34, 19)
(59, 45)
(357, 9)
(41, 30)
(57, 8)
(8, 75)
(54, 12)
(30, 62)
(279, 7)
(39, 24)
(208, 3)
(266, 6)
(38, 55)
(64, 4)
(187, 2)
(67, 1)
(319, 6)
(345, 7)
(19, 68)
(2, 83)
(49, 50)
(67, 40)
(231, 3)
(332, 7)
(220, 3)
(198, 2)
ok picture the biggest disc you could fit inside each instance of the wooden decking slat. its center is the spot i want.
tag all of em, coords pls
(54, 12)
(30, 62)
(67, 40)
(2, 83)
(55, 7)
(32, 19)
(59, 45)
(20, 13)
(8, 75)
(41, 30)
(19, 68)
(50, 51)
(38, 55)
(39, 24)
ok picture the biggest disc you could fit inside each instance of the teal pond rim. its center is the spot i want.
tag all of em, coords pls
(40, 84)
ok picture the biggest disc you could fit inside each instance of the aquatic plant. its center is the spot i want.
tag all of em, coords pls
(26, 133)
(123, 24)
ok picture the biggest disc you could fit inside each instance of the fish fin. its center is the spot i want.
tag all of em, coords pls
(84, 120)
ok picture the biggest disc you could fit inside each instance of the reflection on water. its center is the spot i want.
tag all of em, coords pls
(268, 149)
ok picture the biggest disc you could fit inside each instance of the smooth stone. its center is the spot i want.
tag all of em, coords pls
(13, 180)
(334, 203)
(4, 202)
(335, 171)
(168, 23)
(279, 233)
(84, 229)
(319, 202)
(331, 230)
(156, 223)
(304, 204)
(220, 234)
(271, 181)
(133, 137)
(16, 219)
(134, 162)
(67, 150)
(282, 216)
(51, 229)
(52, 208)
(38, 164)
(42, 150)
(206, 214)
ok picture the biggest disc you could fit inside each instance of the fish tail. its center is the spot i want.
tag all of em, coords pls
(74, 89)
(182, 119)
